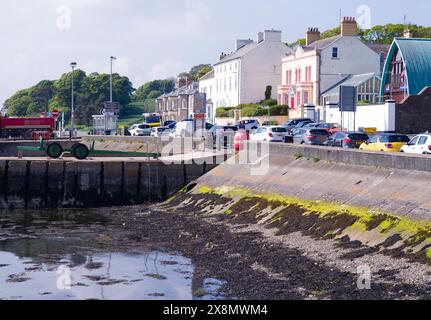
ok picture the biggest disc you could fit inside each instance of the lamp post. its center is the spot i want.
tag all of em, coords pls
(110, 79)
(72, 116)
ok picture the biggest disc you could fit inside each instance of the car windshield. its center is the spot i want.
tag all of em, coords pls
(394, 139)
(142, 127)
(359, 136)
(279, 130)
(319, 132)
(230, 128)
(162, 129)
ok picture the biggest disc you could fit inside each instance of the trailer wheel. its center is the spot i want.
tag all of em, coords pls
(54, 150)
(80, 151)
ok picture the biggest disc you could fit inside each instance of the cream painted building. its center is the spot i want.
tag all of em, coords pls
(321, 63)
(241, 77)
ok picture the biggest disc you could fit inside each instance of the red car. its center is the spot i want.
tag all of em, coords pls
(332, 128)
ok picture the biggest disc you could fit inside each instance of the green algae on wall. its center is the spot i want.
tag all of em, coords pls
(361, 219)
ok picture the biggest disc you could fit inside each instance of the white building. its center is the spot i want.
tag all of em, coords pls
(242, 76)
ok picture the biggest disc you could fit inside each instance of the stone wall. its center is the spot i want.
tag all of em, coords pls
(35, 184)
(413, 115)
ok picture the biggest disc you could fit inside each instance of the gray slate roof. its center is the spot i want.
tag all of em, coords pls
(352, 80)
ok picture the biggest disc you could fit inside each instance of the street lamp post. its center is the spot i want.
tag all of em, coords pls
(110, 80)
(72, 116)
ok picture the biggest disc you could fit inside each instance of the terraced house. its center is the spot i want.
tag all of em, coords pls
(182, 103)
(320, 64)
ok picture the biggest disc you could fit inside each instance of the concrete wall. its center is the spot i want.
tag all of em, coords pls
(381, 116)
(396, 184)
(65, 184)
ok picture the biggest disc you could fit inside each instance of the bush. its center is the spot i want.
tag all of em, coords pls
(270, 102)
(279, 110)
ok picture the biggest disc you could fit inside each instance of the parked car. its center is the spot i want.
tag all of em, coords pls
(387, 142)
(159, 131)
(248, 125)
(269, 134)
(311, 126)
(310, 136)
(420, 144)
(223, 133)
(140, 130)
(348, 140)
(169, 123)
(292, 124)
(332, 128)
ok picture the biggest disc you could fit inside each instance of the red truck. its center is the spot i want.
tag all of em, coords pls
(28, 128)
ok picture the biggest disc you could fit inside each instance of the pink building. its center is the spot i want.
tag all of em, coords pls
(321, 63)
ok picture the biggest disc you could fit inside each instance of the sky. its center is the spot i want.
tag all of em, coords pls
(160, 38)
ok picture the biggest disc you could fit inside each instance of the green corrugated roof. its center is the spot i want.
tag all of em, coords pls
(416, 54)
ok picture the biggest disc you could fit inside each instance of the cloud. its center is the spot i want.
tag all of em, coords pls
(166, 70)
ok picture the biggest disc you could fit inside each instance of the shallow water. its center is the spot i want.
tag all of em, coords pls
(51, 256)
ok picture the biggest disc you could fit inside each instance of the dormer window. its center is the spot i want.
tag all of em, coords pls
(335, 53)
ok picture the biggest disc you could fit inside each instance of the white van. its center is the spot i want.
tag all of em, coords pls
(184, 128)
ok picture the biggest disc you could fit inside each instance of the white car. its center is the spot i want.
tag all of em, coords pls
(140, 130)
(269, 134)
(420, 144)
(159, 131)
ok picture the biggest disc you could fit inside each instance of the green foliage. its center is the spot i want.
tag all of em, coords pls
(153, 89)
(382, 34)
(196, 72)
(90, 92)
(253, 110)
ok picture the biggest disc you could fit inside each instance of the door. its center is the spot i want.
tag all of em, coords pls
(413, 146)
(422, 145)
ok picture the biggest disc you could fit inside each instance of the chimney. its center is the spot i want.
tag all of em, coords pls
(272, 36)
(349, 27)
(181, 82)
(408, 34)
(242, 43)
(313, 34)
(222, 56)
(259, 37)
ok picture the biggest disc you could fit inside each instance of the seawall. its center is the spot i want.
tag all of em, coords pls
(39, 183)
(380, 200)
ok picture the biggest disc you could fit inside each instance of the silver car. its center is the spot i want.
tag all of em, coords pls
(315, 137)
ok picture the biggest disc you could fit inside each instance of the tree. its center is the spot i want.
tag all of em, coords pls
(90, 93)
(268, 93)
(160, 86)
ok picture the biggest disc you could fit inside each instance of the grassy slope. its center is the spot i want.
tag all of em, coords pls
(133, 112)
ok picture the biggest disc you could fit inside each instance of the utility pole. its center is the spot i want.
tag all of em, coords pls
(110, 80)
(72, 116)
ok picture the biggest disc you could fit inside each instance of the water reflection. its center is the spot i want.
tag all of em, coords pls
(50, 256)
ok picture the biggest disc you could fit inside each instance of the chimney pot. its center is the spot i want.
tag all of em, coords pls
(349, 27)
(313, 35)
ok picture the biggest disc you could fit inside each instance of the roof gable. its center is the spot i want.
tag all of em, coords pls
(416, 54)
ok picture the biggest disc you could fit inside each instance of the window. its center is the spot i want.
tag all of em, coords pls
(414, 141)
(305, 97)
(335, 53)
(289, 77)
(308, 74)
(422, 141)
